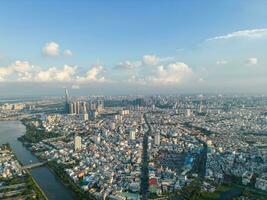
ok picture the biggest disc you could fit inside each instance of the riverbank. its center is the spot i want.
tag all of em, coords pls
(16, 182)
(37, 187)
(57, 169)
(33, 135)
(43, 176)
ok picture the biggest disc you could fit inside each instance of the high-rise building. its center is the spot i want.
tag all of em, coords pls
(71, 108)
(132, 134)
(77, 143)
(66, 95)
(157, 139)
(84, 116)
(94, 114)
(100, 105)
(77, 107)
(201, 108)
(66, 106)
(84, 107)
(97, 138)
(92, 106)
(188, 112)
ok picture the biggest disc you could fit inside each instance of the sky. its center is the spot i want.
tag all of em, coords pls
(132, 47)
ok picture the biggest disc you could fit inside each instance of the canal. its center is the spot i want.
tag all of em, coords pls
(49, 183)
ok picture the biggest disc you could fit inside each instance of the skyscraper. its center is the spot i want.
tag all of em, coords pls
(71, 108)
(66, 108)
(84, 107)
(100, 105)
(77, 107)
(66, 95)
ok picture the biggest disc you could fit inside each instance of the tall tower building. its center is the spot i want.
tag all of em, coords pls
(71, 109)
(92, 105)
(100, 105)
(84, 114)
(66, 95)
(77, 107)
(77, 143)
(74, 108)
(66, 106)
(84, 107)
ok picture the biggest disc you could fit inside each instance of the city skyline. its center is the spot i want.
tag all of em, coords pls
(136, 47)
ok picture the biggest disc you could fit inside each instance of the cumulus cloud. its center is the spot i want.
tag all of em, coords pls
(51, 49)
(173, 73)
(165, 75)
(92, 74)
(21, 68)
(150, 59)
(67, 52)
(252, 33)
(251, 61)
(23, 71)
(127, 65)
(221, 62)
(147, 60)
(54, 74)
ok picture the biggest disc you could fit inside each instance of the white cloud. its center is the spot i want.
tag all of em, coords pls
(150, 59)
(51, 49)
(21, 68)
(173, 73)
(221, 62)
(23, 71)
(54, 74)
(92, 74)
(127, 65)
(67, 52)
(253, 33)
(165, 75)
(147, 60)
(251, 61)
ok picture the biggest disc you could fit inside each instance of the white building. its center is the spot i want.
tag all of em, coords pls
(84, 116)
(157, 139)
(188, 112)
(77, 143)
(97, 139)
(132, 134)
(261, 184)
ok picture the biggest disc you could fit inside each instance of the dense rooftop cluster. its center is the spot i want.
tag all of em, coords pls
(214, 140)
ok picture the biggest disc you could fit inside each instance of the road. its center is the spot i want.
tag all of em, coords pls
(144, 168)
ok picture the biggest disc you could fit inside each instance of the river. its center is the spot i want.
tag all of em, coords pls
(50, 184)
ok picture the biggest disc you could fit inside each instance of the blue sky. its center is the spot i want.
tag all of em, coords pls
(133, 46)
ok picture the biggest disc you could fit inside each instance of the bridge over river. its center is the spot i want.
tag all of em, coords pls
(34, 165)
